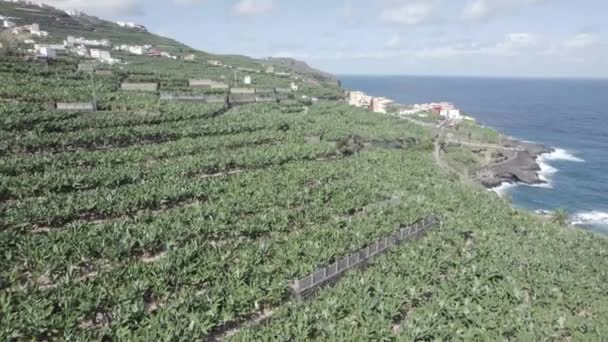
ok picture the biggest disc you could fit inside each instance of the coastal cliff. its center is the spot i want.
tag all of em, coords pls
(520, 167)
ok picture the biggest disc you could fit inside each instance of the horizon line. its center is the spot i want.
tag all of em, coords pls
(595, 78)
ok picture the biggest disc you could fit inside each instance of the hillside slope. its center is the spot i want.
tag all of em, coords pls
(158, 220)
(300, 67)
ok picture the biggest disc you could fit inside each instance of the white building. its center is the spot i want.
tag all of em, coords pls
(82, 51)
(270, 69)
(125, 24)
(451, 114)
(56, 47)
(247, 80)
(130, 24)
(380, 104)
(103, 56)
(137, 50)
(47, 52)
(71, 40)
(8, 24)
(294, 86)
(74, 13)
(133, 49)
(34, 28)
(359, 99)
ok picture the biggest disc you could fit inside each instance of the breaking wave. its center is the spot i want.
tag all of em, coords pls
(546, 170)
(590, 218)
(561, 154)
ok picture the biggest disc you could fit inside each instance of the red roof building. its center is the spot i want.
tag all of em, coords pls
(154, 52)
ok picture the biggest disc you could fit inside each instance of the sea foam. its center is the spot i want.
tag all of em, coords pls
(590, 217)
(561, 154)
(546, 170)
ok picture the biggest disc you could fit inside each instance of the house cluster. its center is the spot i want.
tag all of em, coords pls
(373, 103)
(73, 41)
(74, 13)
(33, 29)
(93, 48)
(143, 50)
(445, 110)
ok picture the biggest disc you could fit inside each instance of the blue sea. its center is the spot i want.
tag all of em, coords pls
(569, 115)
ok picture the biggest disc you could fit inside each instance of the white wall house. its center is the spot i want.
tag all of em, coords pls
(130, 24)
(71, 40)
(137, 50)
(36, 31)
(451, 114)
(73, 13)
(47, 52)
(103, 56)
(359, 99)
(294, 86)
(380, 104)
(247, 80)
(8, 24)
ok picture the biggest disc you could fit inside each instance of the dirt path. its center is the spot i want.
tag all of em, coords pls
(418, 122)
(498, 147)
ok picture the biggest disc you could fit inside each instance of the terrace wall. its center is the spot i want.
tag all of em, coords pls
(140, 86)
(192, 98)
(76, 106)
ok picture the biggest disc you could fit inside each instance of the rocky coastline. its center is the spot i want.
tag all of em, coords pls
(520, 166)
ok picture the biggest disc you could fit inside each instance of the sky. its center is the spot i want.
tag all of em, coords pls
(514, 38)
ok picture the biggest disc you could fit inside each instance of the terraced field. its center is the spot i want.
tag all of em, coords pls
(150, 220)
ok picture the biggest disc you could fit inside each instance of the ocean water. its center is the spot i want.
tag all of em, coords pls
(569, 115)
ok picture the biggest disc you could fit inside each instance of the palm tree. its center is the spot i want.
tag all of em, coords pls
(560, 217)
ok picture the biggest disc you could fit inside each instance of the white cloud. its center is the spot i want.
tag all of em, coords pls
(187, 2)
(581, 41)
(253, 7)
(394, 41)
(480, 9)
(407, 12)
(347, 9)
(520, 40)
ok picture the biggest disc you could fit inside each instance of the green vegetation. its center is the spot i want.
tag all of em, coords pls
(151, 220)
(464, 160)
(560, 217)
(472, 131)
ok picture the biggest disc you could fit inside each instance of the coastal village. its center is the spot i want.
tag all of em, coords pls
(447, 112)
